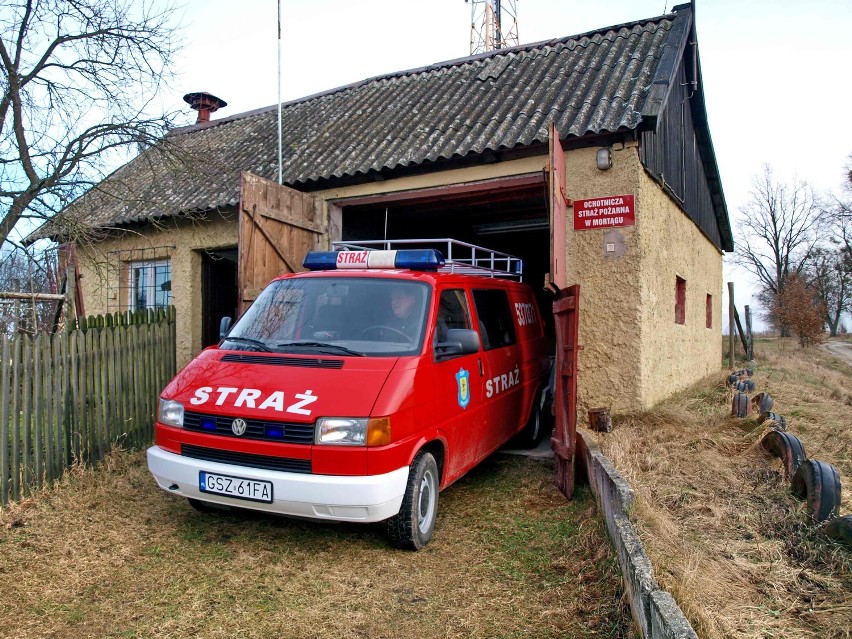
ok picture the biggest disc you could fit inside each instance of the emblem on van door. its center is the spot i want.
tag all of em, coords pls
(463, 381)
(238, 426)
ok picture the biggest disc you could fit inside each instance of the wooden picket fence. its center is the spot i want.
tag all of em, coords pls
(69, 397)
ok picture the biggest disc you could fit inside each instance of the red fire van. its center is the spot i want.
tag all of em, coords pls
(356, 390)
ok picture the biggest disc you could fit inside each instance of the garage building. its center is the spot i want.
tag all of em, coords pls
(588, 156)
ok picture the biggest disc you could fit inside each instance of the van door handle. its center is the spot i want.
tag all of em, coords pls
(481, 372)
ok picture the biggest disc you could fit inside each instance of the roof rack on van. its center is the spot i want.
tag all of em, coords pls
(461, 257)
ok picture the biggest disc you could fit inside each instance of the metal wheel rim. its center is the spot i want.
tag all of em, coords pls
(426, 502)
(536, 424)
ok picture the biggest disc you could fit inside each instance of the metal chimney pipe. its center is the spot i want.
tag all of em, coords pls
(204, 103)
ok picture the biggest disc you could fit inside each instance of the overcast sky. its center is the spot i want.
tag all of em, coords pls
(776, 72)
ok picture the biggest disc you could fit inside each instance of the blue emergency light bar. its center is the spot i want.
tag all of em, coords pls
(414, 259)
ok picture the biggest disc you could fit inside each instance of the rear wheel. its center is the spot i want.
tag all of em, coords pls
(412, 527)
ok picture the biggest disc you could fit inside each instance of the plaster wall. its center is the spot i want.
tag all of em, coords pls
(674, 355)
(610, 363)
(103, 265)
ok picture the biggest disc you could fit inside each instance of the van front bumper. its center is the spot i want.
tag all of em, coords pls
(331, 497)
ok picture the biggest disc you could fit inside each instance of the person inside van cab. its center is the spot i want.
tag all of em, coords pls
(403, 301)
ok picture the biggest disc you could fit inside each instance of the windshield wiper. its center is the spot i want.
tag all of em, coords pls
(248, 340)
(335, 348)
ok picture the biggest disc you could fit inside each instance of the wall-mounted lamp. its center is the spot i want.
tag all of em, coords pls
(604, 158)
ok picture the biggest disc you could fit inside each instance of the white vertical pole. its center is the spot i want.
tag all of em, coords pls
(280, 154)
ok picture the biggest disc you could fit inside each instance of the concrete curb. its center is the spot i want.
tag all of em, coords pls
(654, 611)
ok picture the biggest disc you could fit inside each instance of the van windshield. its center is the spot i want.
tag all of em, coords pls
(335, 316)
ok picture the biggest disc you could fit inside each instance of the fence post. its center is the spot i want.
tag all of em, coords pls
(749, 336)
(5, 370)
(731, 325)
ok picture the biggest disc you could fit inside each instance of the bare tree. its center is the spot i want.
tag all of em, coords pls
(831, 272)
(831, 276)
(778, 232)
(78, 81)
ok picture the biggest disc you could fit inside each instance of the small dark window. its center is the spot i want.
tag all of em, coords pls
(496, 327)
(709, 311)
(680, 301)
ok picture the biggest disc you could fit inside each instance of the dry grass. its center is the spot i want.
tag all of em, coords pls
(716, 516)
(106, 554)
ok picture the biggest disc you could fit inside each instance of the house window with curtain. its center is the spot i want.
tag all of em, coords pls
(150, 285)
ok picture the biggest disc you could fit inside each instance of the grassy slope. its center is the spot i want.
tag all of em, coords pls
(107, 554)
(724, 533)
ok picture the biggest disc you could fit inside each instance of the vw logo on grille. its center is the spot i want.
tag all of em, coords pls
(238, 426)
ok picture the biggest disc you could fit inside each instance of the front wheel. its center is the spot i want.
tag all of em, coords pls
(412, 527)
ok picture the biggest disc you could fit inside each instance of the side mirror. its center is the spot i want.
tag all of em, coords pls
(224, 327)
(460, 341)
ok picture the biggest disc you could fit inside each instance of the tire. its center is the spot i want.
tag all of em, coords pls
(840, 529)
(739, 406)
(779, 422)
(762, 403)
(819, 483)
(786, 446)
(413, 526)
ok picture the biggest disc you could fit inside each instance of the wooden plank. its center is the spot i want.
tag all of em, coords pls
(135, 377)
(73, 426)
(61, 374)
(6, 372)
(15, 422)
(85, 418)
(102, 397)
(26, 416)
(37, 421)
(151, 371)
(291, 220)
(46, 400)
(116, 387)
(96, 394)
(50, 374)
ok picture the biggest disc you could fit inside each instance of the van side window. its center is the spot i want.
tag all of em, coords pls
(495, 318)
(452, 313)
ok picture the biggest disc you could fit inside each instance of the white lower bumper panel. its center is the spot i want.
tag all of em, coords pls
(339, 498)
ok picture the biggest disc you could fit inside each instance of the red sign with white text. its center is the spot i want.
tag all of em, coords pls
(604, 212)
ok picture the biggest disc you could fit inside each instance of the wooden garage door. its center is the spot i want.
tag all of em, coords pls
(278, 226)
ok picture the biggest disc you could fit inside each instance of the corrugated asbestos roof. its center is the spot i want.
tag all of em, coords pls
(589, 84)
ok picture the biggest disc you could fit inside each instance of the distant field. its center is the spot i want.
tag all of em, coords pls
(716, 516)
(107, 554)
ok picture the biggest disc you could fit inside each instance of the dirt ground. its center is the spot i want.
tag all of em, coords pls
(107, 554)
(841, 349)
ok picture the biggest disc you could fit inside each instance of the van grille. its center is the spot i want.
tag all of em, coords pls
(250, 460)
(277, 360)
(255, 428)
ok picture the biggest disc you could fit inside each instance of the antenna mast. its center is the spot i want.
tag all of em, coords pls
(493, 25)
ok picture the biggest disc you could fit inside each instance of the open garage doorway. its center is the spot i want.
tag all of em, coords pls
(218, 291)
(508, 215)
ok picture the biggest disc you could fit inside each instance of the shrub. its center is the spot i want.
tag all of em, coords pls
(798, 307)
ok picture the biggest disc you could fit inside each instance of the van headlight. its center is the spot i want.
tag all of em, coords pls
(343, 431)
(170, 413)
(354, 431)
